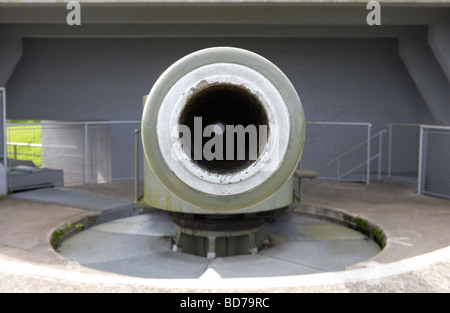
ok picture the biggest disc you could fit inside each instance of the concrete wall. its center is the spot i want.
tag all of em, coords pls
(343, 69)
(10, 54)
(359, 80)
(347, 80)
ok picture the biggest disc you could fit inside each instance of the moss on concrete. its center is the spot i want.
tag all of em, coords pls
(71, 228)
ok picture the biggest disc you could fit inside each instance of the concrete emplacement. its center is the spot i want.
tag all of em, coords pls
(298, 242)
(236, 212)
(116, 246)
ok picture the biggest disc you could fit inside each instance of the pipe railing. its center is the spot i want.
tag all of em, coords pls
(337, 159)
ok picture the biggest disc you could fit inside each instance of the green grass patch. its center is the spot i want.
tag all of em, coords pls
(58, 234)
(24, 142)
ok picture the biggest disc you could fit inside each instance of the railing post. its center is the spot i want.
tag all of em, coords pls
(86, 153)
(136, 165)
(380, 147)
(368, 154)
(338, 170)
(389, 151)
(3, 101)
(419, 171)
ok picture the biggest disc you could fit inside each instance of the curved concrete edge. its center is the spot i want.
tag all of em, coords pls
(213, 282)
(65, 230)
(359, 223)
(74, 274)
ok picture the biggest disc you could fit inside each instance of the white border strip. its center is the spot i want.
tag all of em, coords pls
(373, 272)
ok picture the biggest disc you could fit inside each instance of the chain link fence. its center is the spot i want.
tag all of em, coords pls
(403, 160)
(3, 157)
(3, 126)
(81, 153)
(338, 151)
(24, 145)
(101, 152)
(420, 154)
(434, 161)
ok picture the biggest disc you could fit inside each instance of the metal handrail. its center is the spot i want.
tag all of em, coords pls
(367, 161)
(339, 123)
(136, 165)
(421, 128)
(3, 121)
(378, 155)
(73, 123)
(342, 155)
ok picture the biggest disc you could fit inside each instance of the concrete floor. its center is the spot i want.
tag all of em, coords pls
(140, 246)
(416, 257)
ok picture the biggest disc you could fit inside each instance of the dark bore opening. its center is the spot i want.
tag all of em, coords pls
(224, 105)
